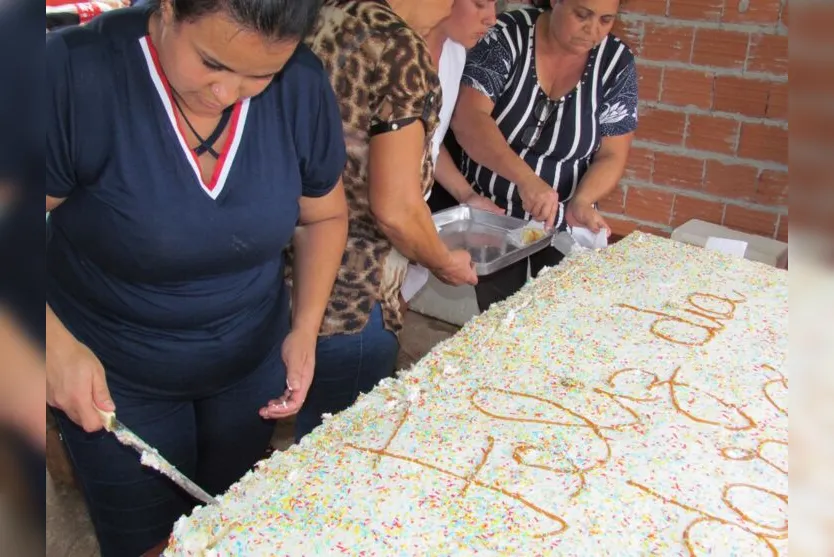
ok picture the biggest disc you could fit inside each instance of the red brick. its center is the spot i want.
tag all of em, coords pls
(772, 188)
(677, 171)
(648, 83)
(661, 126)
(649, 204)
(667, 44)
(614, 202)
(785, 17)
(712, 133)
(704, 10)
(687, 88)
(731, 181)
(619, 226)
(640, 164)
(782, 231)
(744, 96)
(650, 7)
(630, 32)
(777, 101)
(750, 220)
(764, 143)
(688, 208)
(768, 53)
(752, 11)
(718, 47)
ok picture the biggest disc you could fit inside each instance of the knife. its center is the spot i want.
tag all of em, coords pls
(151, 458)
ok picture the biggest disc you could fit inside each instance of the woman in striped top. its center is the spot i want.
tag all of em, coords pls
(546, 114)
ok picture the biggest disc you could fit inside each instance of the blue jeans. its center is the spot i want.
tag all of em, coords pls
(212, 440)
(347, 365)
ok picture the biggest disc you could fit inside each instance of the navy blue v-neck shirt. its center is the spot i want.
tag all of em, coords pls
(175, 284)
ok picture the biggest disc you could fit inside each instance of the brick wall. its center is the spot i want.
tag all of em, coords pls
(712, 141)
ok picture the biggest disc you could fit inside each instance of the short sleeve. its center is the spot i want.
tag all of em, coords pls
(618, 110)
(411, 84)
(60, 176)
(322, 154)
(489, 63)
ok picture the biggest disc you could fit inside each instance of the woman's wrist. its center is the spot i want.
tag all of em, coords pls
(306, 327)
(459, 190)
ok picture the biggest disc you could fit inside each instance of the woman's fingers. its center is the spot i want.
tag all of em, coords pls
(285, 406)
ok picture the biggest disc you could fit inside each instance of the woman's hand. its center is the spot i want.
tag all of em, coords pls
(457, 270)
(584, 215)
(75, 383)
(477, 201)
(540, 200)
(299, 355)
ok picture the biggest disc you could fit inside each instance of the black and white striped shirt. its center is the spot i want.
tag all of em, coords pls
(557, 138)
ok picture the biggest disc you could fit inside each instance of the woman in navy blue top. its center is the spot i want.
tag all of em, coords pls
(186, 142)
(546, 115)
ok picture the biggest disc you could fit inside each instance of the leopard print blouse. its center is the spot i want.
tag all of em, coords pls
(381, 72)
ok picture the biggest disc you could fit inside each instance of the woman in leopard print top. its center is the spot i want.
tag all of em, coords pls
(389, 95)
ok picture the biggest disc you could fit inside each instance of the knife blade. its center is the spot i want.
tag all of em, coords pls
(151, 458)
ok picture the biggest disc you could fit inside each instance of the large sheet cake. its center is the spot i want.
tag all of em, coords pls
(632, 401)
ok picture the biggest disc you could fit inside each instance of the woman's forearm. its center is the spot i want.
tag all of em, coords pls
(600, 179)
(479, 136)
(22, 382)
(318, 254)
(450, 178)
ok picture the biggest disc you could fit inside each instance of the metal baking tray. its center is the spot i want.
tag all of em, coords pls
(485, 236)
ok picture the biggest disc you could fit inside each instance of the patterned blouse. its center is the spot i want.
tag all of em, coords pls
(383, 76)
(557, 138)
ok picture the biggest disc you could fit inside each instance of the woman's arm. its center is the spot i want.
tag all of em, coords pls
(400, 211)
(75, 378)
(599, 180)
(617, 119)
(478, 134)
(605, 170)
(22, 382)
(451, 180)
(319, 243)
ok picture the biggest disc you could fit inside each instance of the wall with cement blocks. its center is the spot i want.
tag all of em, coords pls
(712, 142)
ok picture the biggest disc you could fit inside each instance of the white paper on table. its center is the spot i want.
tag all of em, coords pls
(726, 245)
(587, 239)
(415, 279)
(565, 243)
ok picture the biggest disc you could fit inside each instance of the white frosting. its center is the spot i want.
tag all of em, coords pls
(152, 460)
(571, 419)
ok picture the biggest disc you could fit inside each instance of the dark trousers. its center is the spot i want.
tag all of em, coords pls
(506, 282)
(347, 365)
(212, 440)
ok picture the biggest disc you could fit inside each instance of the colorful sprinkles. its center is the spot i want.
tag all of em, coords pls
(631, 401)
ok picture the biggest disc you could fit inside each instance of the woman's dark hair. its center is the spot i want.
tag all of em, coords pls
(275, 19)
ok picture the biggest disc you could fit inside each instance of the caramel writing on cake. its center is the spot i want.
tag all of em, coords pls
(611, 410)
(773, 388)
(761, 532)
(470, 479)
(690, 401)
(697, 322)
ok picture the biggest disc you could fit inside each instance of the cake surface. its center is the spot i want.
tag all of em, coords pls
(632, 401)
